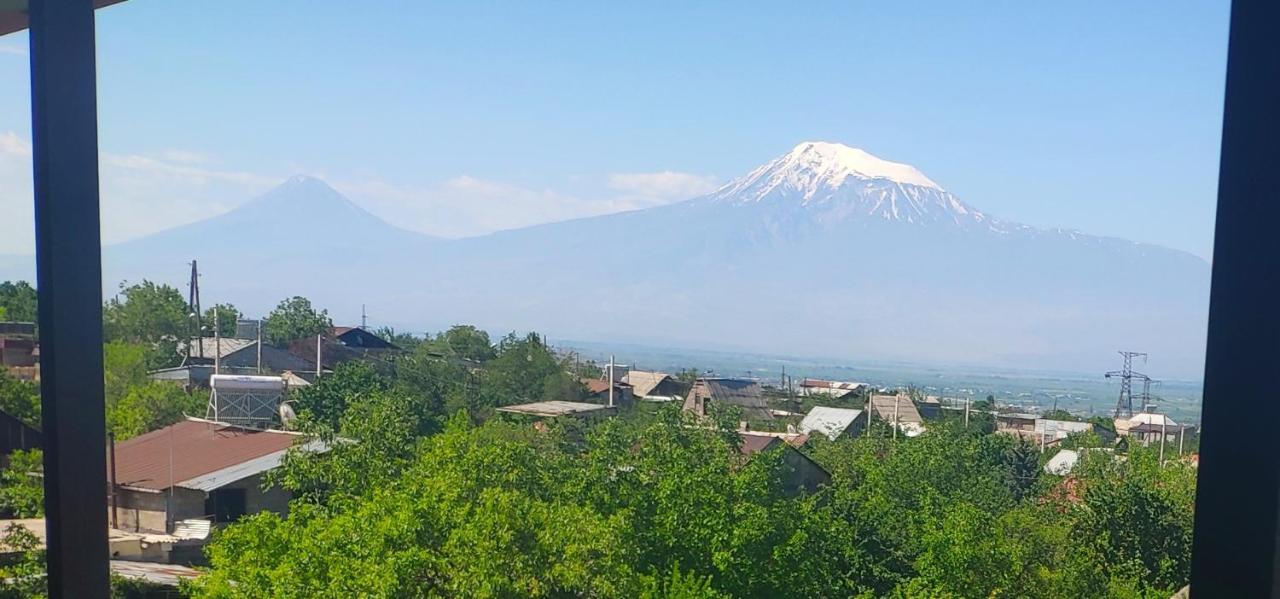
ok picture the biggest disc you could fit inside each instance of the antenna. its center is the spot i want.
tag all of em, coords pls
(1124, 404)
(364, 318)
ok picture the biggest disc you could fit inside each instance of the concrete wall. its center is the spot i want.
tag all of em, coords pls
(145, 512)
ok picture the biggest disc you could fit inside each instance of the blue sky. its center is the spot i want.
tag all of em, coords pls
(461, 118)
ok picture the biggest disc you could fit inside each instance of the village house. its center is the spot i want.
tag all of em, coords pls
(598, 392)
(197, 470)
(228, 355)
(730, 392)
(899, 411)
(834, 423)
(656, 386)
(832, 389)
(343, 344)
(804, 475)
(19, 350)
(1148, 426)
(1016, 423)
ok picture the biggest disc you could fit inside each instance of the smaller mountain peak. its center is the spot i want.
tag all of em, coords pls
(839, 160)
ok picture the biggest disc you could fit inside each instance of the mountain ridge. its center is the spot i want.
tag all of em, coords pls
(824, 250)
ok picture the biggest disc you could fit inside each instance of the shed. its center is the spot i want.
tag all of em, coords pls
(735, 392)
(199, 469)
(656, 386)
(899, 411)
(804, 475)
(833, 422)
(16, 434)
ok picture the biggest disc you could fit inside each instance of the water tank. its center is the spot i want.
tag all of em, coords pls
(235, 382)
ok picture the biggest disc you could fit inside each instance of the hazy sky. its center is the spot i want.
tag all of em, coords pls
(456, 120)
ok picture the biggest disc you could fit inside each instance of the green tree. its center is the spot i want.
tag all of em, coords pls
(295, 318)
(404, 340)
(151, 406)
(21, 487)
(150, 314)
(467, 342)
(18, 301)
(325, 401)
(24, 576)
(20, 399)
(526, 370)
(225, 315)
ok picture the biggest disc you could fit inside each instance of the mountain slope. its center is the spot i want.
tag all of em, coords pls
(826, 250)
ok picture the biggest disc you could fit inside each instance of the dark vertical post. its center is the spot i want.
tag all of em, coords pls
(69, 274)
(1238, 495)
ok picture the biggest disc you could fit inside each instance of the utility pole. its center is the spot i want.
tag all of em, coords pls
(896, 400)
(1164, 422)
(611, 380)
(193, 300)
(1124, 404)
(318, 368)
(967, 401)
(259, 328)
(1182, 431)
(217, 344)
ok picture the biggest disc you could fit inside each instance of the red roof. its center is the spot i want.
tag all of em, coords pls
(189, 449)
(752, 444)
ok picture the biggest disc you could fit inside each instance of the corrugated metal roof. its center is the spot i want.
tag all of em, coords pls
(738, 392)
(831, 422)
(196, 452)
(553, 408)
(223, 346)
(752, 444)
(644, 382)
(906, 411)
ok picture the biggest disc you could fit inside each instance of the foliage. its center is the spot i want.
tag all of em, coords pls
(150, 406)
(21, 492)
(224, 315)
(18, 301)
(466, 342)
(20, 399)
(295, 318)
(403, 340)
(325, 401)
(25, 575)
(526, 370)
(149, 314)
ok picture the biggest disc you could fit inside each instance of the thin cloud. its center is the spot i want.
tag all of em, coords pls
(663, 186)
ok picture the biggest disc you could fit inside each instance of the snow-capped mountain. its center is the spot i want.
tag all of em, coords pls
(840, 182)
(826, 251)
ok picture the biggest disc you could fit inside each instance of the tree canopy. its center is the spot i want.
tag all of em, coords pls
(295, 318)
(17, 301)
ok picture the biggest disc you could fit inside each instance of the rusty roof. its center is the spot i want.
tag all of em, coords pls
(197, 448)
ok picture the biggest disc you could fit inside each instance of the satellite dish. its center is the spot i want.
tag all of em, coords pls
(287, 415)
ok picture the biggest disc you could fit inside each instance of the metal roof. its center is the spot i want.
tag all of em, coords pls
(225, 346)
(198, 454)
(554, 408)
(643, 381)
(831, 422)
(884, 409)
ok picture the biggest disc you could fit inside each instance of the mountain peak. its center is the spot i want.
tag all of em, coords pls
(837, 161)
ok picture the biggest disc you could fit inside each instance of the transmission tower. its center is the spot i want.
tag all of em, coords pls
(1124, 404)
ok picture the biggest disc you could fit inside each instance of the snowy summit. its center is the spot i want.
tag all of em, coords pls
(846, 181)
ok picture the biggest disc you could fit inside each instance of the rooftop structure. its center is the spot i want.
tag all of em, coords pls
(899, 411)
(553, 409)
(833, 422)
(804, 475)
(735, 392)
(835, 389)
(656, 386)
(199, 454)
